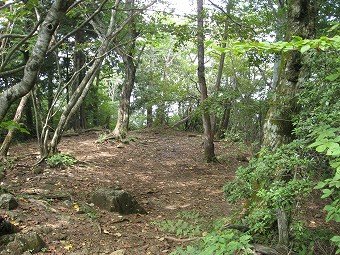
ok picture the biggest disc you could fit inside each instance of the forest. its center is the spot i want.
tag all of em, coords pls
(222, 120)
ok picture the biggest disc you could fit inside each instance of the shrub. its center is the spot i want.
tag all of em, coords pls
(60, 160)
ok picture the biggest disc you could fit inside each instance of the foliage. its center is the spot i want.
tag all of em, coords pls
(328, 142)
(186, 224)
(323, 43)
(217, 240)
(280, 179)
(13, 125)
(60, 160)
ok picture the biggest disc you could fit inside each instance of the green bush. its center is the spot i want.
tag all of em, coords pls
(60, 160)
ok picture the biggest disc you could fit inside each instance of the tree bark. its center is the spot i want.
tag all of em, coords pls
(208, 139)
(32, 67)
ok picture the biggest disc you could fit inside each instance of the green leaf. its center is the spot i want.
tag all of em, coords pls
(305, 48)
(333, 77)
(320, 185)
(321, 148)
(327, 193)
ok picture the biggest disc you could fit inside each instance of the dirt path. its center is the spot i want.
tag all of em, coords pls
(162, 169)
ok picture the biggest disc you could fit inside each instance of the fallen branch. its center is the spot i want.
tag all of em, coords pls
(174, 239)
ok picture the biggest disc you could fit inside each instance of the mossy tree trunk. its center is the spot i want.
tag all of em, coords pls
(292, 73)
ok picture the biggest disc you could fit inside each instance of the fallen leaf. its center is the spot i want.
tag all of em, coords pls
(68, 247)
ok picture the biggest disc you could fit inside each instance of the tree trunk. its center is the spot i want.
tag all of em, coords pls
(149, 118)
(78, 120)
(7, 141)
(293, 72)
(32, 67)
(127, 54)
(122, 124)
(225, 119)
(208, 139)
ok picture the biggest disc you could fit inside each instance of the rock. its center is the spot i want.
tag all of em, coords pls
(2, 174)
(118, 252)
(114, 200)
(38, 169)
(120, 145)
(7, 228)
(8, 202)
(25, 242)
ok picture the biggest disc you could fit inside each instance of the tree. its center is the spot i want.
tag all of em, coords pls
(108, 36)
(208, 139)
(127, 53)
(292, 74)
(35, 61)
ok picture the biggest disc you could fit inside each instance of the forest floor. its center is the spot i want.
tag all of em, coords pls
(163, 169)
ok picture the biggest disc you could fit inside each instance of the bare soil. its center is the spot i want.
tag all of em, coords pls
(163, 169)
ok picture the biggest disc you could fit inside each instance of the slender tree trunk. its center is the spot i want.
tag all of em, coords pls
(208, 139)
(122, 124)
(78, 120)
(149, 119)
(7, 142)
(221, 67)
(127, 54)
(32, 67)
(225, 119)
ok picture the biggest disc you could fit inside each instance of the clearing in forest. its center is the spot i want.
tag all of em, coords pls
(163, 169)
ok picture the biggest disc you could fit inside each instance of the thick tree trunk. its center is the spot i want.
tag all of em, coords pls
(51, 22)
(7, 142)
(208, 139)
(292, 73)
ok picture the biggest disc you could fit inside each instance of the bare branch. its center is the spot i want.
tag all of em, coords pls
(12, 71)
(12, 36)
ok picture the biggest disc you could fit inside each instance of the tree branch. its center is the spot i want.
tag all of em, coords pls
(237, 23)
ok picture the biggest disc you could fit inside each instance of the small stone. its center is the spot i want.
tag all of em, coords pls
(118, 252)
(37, 170)
(120, 145)
(8, 202)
